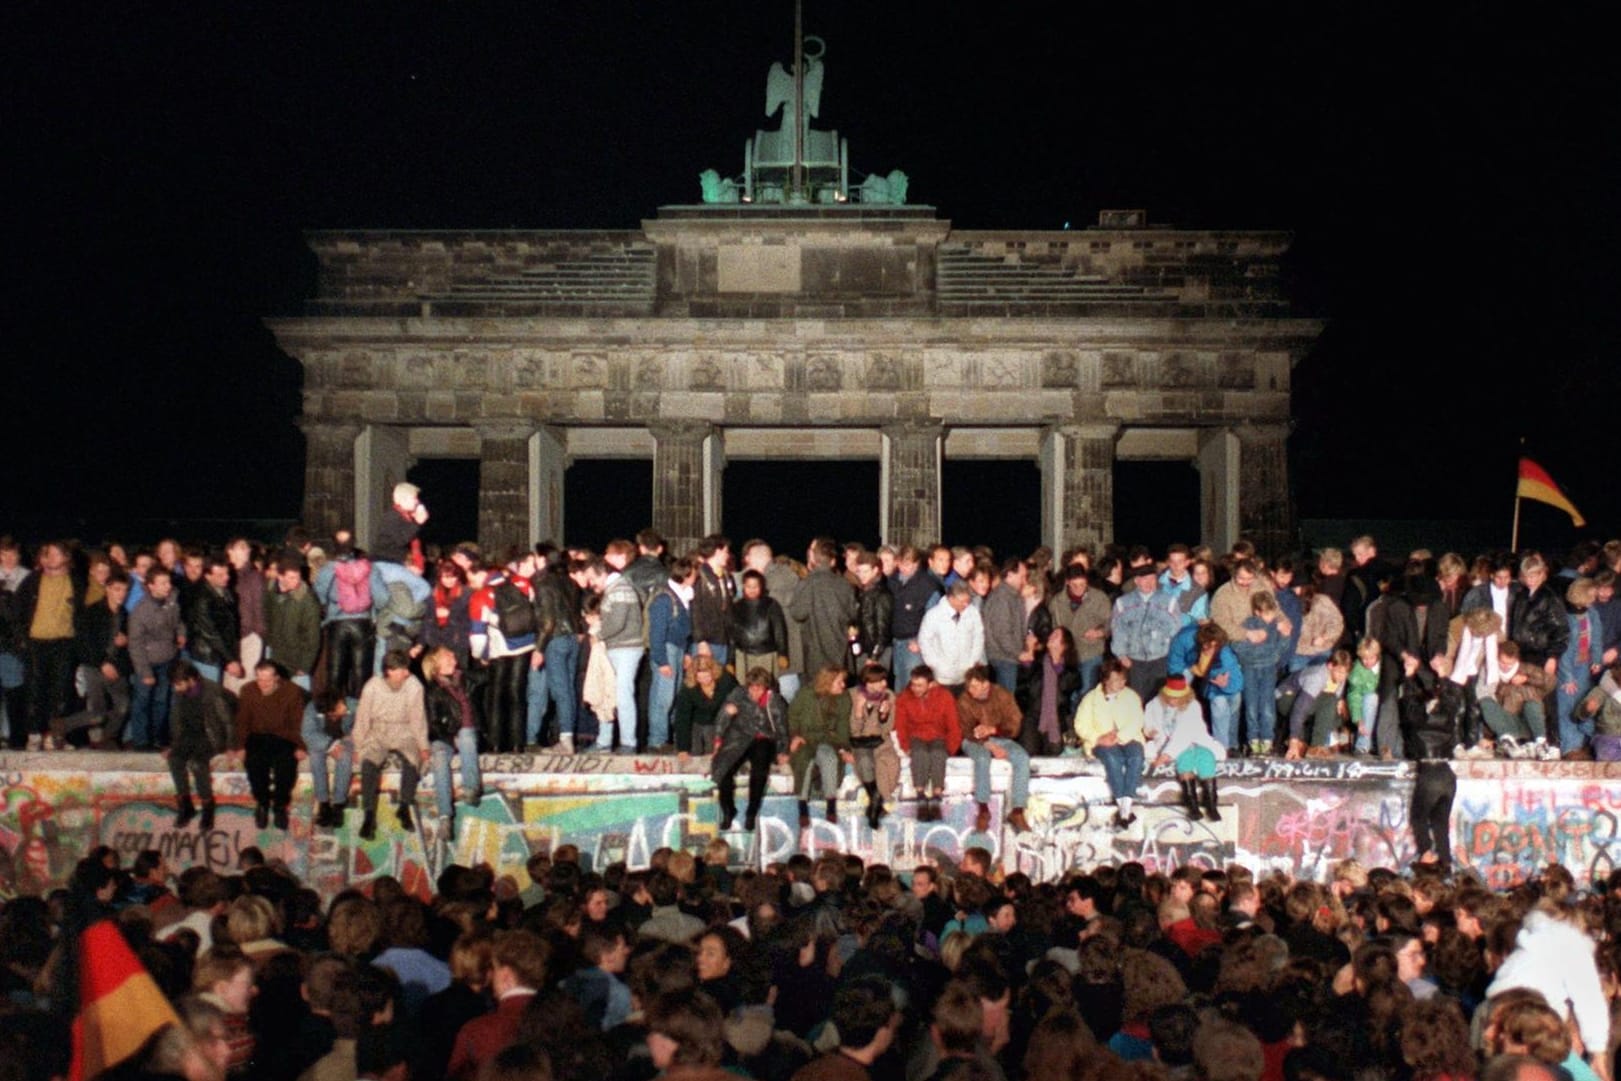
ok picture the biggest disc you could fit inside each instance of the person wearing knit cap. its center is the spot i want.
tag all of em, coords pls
(1178, 737)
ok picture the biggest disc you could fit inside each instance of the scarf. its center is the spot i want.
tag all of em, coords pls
(1049, 701)
(683, 593)
(444, 598)
(458, 694)
(1477, 656)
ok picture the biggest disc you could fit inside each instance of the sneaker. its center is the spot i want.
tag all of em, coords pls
(1459, 751)
(1479, 751)
(1509, 747)
(36, 742)
(1545, 751)
(565, 744)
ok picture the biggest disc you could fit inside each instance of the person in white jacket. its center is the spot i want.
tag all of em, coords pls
(1555, 957)
(952, 637)
(1177, 737)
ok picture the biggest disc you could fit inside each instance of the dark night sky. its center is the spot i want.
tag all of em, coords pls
(1451, 176)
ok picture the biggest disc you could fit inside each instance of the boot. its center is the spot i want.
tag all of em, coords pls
(368, 826)
(728, 813)
(280, 818)
(804, 815)
(323, 816)
(338, 810)
(751, 818)
(1208, 788)
(1017, 821)
(404, 815)
(206, 822)
(875, 806)
(185, 811)
(982, 821)
(261, 815)
(833, 811)
(1190, 799)
(934, 808)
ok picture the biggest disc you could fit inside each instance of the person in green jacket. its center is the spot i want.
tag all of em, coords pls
(819, 736)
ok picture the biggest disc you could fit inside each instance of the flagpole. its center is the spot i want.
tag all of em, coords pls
(1514, 536)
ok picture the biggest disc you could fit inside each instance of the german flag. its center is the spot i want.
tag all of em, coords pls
(120, 1005)
(1536, 484)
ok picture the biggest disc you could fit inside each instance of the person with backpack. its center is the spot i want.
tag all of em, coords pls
(399, 617)
(349, 593)
(503, 631)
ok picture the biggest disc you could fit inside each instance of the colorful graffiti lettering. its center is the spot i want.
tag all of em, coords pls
(1509, 820)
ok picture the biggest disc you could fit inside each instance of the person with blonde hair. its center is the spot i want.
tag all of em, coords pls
(819, 740)
(224, 978)
(452, 731)
(1580, 664)
(695, 716)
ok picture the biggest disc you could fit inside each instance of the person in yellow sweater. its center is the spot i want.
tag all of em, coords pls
(1109, 722)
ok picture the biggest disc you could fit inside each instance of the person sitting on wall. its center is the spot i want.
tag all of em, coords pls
(753, 730)
(392, 721)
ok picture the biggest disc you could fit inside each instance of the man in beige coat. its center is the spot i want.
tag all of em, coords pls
(392, 719)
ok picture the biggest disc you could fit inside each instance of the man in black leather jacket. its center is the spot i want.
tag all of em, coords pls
(213, 633)
(1536, 617)
(875, 610)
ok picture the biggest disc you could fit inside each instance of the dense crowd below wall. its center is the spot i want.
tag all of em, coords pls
(811, 970)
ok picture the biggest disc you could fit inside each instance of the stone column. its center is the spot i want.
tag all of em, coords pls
(1265, 508)
(714, 479)
(548, 460)
(329, 477)
(909, 470)
(1219, 454)
(382, 457)
(1077, 483)
(503, 487)
(679, 482)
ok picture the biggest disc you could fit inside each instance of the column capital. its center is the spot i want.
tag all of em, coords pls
(1251, 431)
(913, 428)
(1100, 432)
(505, 429)
(678, 430)
(315, 426)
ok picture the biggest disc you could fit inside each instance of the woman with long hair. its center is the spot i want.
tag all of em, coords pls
(452, 732)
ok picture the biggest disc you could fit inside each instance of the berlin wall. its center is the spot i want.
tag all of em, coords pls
(1509, 820)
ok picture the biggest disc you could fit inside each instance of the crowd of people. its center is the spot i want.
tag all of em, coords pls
(827, 969)
(884, 662)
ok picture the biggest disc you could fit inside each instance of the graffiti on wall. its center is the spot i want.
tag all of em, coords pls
(1297, 817)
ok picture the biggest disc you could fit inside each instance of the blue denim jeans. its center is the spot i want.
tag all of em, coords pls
(1260, 702)
(1007, 674)
(624, 661)
(1573, 734)
(1224, 719)
(905, 660)
(320, 745)
(1017, 757)
(1123, 768)
(555, 682)
(467, 750)
(149, 710)
(661, 696)
(1091, 671)
(1370, 718)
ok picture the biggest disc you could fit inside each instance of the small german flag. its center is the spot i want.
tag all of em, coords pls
(120, 1005)
(1536, 484)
